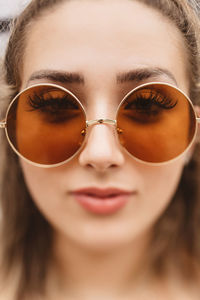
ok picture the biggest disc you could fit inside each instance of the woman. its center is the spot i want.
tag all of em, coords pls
(116, 215)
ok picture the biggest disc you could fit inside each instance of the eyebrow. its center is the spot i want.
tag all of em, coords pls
(144, 73)
(57, 76)
(136, 75)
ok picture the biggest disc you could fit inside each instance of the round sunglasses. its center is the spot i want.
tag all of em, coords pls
(46, 124)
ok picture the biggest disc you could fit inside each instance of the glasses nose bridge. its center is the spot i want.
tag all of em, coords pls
(101, 121)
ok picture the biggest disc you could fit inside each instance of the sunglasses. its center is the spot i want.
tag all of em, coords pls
(46, 124)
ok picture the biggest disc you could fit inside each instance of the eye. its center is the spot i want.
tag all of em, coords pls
(147, 106)
(52, 101)
(54, 106)
(146, 99)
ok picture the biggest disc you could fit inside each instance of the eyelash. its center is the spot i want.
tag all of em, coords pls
(145, 103)
(52, 104)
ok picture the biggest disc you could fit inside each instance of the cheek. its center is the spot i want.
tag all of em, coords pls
(43, 185)
(160, 184)
(157, 186)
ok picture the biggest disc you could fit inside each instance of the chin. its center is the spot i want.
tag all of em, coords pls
(100, 240)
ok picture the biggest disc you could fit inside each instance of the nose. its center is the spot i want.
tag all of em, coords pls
(102, 150)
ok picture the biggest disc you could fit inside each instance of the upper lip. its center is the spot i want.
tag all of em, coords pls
(101, 192)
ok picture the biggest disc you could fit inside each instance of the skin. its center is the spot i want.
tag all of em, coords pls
(100, 257)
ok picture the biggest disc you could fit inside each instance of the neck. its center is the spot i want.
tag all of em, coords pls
(87, 270)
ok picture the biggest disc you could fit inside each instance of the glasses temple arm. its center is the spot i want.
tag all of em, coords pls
(3, 124)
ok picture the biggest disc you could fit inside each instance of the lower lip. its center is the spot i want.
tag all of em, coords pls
(102, 205)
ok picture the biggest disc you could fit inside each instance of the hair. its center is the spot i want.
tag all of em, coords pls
(26, 237)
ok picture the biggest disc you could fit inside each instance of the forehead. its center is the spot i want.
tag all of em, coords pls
(103, 35)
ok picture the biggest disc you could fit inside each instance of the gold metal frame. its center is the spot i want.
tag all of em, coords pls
(100, 121)
(3, 124)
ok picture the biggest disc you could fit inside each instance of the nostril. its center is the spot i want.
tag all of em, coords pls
(100, 167)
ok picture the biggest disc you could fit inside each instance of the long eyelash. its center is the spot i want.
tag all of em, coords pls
(38, 102)
(142, 102)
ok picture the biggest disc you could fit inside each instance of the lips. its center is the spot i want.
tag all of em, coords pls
(101, 201)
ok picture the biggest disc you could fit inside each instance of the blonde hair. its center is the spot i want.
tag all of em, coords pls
(26, 237)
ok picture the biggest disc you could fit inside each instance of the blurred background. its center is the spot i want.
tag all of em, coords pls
(9, 9)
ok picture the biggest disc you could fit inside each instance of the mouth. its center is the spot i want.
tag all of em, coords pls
(102, 201)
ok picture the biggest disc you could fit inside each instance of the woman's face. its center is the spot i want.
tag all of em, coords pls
(99, 43)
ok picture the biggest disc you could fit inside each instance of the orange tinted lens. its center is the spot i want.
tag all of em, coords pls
(45, 124)
(156, 123)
